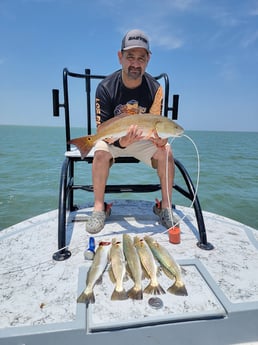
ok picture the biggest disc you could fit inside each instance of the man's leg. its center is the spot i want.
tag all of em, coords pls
(163, 161)
(100, 172)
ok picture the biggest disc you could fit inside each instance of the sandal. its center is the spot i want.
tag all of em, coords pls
(167, 218)
(97, 220)
(165, 215)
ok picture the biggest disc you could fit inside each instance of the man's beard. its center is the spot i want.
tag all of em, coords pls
(134, 73)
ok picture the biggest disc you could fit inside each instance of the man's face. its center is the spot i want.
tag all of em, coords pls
(134, 62)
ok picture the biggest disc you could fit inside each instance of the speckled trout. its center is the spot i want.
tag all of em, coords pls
(95, 272)
(118, 126)
(169, 266)
(134, 267)
(149, 265)
(117, 270)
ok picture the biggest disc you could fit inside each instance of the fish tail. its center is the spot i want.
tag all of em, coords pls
(86, 297)
(178, 288)
(119, 295)
(84, 144)
(135, 293)
(154, 289)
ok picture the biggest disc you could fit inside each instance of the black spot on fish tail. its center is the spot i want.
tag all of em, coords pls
(84, 145)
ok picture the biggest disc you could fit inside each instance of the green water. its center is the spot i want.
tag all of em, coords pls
(31, 159)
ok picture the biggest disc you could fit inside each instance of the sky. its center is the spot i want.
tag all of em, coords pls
(209, 49)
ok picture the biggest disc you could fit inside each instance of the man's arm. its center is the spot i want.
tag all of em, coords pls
(156, 109)
(103, 105)
(157, 104)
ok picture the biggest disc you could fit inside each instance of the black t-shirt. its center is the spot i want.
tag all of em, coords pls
(113, 98)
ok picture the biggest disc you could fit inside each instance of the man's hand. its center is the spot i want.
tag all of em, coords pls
(133, 135)
(156, 140)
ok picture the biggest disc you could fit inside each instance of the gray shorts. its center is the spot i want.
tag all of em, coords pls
(142, 150)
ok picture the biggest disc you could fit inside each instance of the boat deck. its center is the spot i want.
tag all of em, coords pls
(38, 295)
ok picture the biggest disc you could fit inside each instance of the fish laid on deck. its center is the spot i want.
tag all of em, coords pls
(149, 265)
(118, 126)
(134, 266)
(169, 266)
(95, 272)
(117, 270)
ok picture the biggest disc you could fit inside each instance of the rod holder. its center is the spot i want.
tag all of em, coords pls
(56, 104)
(175, 107)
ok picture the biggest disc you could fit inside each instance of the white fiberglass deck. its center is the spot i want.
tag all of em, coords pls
(36, 290)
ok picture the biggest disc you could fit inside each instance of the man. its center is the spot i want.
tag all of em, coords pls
(131, 90)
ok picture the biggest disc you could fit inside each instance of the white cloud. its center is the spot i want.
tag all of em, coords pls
(163, 38)
(157, 19)
(225, 17)
(182, 5)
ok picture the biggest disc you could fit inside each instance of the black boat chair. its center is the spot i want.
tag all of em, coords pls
(67, 180)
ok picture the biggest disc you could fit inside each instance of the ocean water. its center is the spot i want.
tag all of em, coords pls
(31, 159)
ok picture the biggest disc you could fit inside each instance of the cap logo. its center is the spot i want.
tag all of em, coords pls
(137, 38)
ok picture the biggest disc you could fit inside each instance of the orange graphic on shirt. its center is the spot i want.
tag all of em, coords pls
(132, 107)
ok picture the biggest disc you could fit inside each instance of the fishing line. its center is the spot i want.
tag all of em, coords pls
(197, 180)
(21, 269)
(47, 261)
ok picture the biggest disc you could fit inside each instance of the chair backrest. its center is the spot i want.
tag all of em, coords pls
(67, 185)
(88, 77)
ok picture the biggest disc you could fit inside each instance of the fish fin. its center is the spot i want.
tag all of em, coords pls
(159, 271)
(119, 295)
(128, 272)
(154, 289)
(126, 277)
(111, 275)
(84, 144)
(86, 298)
(110, 140)
(144, 273)
(168, 273)
(134, 293)
(99, 280)
(178, 289)
(107, 123)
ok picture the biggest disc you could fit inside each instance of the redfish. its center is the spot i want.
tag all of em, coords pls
(118, 126)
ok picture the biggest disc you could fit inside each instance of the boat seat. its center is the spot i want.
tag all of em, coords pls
(68, 185)
(75, 153)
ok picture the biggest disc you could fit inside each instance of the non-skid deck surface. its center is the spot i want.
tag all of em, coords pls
(35, 289)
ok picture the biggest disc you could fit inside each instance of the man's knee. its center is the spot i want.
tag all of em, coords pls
(154, 163)
(103, 157)
(162, 155)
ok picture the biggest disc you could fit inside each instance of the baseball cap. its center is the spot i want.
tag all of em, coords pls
(135, 39)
